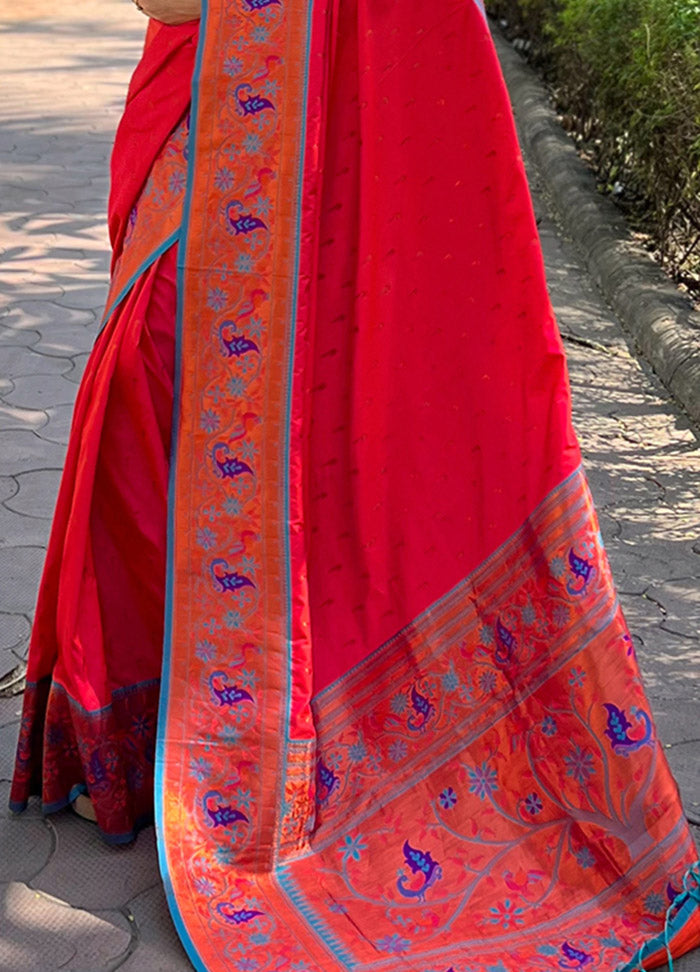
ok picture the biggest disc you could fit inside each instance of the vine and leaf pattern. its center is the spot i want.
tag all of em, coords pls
(503, 812)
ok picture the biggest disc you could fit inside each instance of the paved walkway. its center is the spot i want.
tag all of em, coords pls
(67, 901)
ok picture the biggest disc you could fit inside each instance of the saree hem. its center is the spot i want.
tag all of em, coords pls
(106, 753)
(113, 839)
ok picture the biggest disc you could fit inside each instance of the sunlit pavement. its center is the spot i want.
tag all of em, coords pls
(66, 900)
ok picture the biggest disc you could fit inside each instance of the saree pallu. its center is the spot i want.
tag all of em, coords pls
(401, 722)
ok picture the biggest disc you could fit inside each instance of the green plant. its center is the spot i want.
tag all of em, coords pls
(627, 75)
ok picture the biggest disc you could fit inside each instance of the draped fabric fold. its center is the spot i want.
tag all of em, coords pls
(90, 707)
(401, 722)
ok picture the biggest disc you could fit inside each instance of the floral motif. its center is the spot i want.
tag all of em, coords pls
(549, 726)
(579, 763)
(506, 913)
(394, 944)
(352, 848)
(483, 780)
(533, 804)
(585, 858)
(577, 677)
(448, 798)
(397, 750)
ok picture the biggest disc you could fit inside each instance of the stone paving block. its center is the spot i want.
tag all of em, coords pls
(22, 451)
(685, 766)
(16, 337)
(57, 429)
(159, 948)
(24, 276)
(675, 724)
(20, 570)
(65, 341)
(41, 934)
(20, 194)
(37, 493)
(638, 567)
(14, 630)
(78, 366)
(27, 843)
(679, 600)
(109, 876)
(8, 487)
(14, 418)
(18, 281)
(8, 743)
(62, 229)
(17, 362)
(86, 291)
(42, 316)
(17, 530)
(633, 574)
(10, 712)
(669, 664)
(8, 665)
(37, 391)
(669, 525)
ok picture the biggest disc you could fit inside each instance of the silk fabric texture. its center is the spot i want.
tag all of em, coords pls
(401, 722)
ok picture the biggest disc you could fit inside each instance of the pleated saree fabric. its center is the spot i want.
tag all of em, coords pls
(95, 657)
(401, 722)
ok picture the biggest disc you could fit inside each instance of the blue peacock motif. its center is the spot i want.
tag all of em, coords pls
(221, 814)
(423, 710)
(582, 572)
(420, 862)
(253, 104)
(242, 223)
(229, 580)
(226, 694)
(237, 916)
(227, 465)
(618, 725)
(506, 644)
(235, 345)
(327, 782)
(574, 958)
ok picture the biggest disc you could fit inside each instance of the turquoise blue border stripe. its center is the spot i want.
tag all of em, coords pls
(169, 583)
(149, 261)
(681, 910)
(286, 451)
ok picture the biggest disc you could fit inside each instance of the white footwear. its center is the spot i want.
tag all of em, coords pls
(82, 805)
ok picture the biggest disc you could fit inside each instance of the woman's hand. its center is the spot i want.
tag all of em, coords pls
(171, 12)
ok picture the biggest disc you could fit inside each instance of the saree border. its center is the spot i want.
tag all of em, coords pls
(688, 911)
(287, 830)
(163, 705)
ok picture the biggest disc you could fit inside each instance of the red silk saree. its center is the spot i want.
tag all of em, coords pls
(401, 722)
